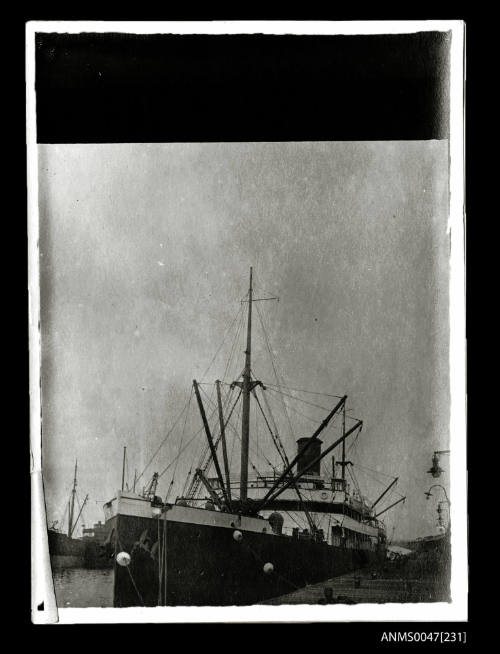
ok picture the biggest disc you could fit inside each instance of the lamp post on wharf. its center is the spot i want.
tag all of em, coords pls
(435, 470)
(439, 509)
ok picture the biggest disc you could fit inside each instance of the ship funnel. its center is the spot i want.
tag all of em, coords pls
(313, 451)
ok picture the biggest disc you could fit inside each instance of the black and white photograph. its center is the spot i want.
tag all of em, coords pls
(251, 394)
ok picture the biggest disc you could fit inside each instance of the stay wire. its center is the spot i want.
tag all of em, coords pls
(274, 369)
(223, 341)
(180, 445)
(165, 439)
(302, 390)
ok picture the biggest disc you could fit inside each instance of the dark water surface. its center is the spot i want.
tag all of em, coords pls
(81, 588)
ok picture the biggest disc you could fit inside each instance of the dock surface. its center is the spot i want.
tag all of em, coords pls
(361, 587)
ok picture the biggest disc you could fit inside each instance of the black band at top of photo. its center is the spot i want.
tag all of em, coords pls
(118, 87)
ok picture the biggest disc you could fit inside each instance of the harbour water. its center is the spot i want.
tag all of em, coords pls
(82, 588)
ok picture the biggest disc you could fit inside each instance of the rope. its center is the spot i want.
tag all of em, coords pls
(275, 437)
(233, 346)
(162, 562)
(223, 341)
(256, 556)
(291, 408)
(159, 563)
(274, 368)
(318, 406)
(205, 458)
(375, 471)
(301, 390)
(180, 445)
(165, 439)
(278, 444)
(183, 449)
(239, 437)
(130, 574)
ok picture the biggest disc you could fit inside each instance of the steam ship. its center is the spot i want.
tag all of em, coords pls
(241, 539)
(65, 550)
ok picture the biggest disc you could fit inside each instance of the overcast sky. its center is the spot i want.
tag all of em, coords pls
(145, 252)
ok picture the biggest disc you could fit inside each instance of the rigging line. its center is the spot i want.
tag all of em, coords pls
(235, 340)
(232, 451)
(234, 439)
(318, 406)
(375, 471)
(277, 443)
(275, 437)
(301, 390)
(260, 289)
(276, 431)
(274, 368)
(216, 428)
(371, 477)
(354, 444)
(294, 520)
(355, 482)
(201, 463)
(223, 341)
(298, 399)
(204, 461)
(304, 523)
(239, 437)
(291, 408)
(186, 483)
(165, 439)
(180, 445)
(330, 426)
(130, 573)
(184, 448)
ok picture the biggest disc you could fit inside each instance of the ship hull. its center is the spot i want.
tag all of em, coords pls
(97, 556)
(178, 563)
(65, 552)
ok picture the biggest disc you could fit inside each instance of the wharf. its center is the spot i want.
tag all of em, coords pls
(364, 587)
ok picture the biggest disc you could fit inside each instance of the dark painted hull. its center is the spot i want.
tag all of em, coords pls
(97, 556)
(64, 551)
(206, 566)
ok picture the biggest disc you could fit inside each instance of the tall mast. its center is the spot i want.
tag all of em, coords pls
(123, 466)
(343, 449)
(72, 504)
(245, 420)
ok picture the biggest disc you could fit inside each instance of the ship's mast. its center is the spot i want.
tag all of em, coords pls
(343, 449)
(123, 466)
(245, 420)
(72, 504)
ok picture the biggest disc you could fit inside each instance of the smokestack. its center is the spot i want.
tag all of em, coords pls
(312, 452)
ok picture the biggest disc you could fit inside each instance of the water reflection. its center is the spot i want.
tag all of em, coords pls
(81, 588)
